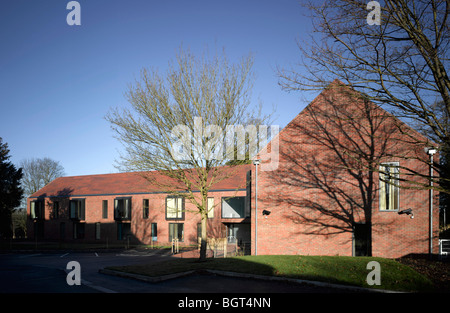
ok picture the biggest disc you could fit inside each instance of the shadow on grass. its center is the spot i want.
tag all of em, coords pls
(350, 271)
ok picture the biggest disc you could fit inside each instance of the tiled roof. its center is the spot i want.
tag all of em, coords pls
(131, 183)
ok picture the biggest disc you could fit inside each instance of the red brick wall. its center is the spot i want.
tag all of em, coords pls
(323, 184)
(140, 227)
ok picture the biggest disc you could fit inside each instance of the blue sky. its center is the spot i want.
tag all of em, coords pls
(57, 82)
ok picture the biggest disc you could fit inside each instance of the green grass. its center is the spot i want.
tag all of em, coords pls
(333, 269)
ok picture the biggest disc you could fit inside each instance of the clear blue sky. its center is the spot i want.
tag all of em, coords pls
(57, 82)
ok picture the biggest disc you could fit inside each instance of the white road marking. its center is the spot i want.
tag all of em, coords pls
(29, 255)
(63, 255)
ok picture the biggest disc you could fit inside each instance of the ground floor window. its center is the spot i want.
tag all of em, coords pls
(176, 231)
(97, 231)
(123, 230)
(78, 230)
(154, 232)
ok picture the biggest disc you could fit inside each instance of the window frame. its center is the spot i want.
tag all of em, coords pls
(37, 210)
(177, 217)
(171, 229)
(394, 183)
(210, 212)
(145, 208)
(244, 215)
(127, 209)
(80, 210)
(104, 209)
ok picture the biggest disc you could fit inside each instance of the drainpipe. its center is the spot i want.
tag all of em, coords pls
(431, 152)
(256, 162)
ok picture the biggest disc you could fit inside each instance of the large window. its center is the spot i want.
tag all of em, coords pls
(176, 231)
(37, 210)
(123, 231)
(122, 209)
(389, 187)
(174, 208)
(78, 230)
(77, 209)
(233, 207)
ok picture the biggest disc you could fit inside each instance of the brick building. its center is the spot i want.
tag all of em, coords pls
(341, 185)
(344, 183)
(126, 206)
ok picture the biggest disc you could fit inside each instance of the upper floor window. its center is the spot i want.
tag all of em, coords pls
(174, 207)
(105, 209)
(389, 186)
(233, 207)
(122, 208)
(145, 208)
(37, 209)
(77, 209)
(210, 207)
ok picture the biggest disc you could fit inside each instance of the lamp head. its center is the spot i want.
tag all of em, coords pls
(430, 150)
(256, 161)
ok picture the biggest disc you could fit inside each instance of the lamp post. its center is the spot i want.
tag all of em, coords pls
(431, 151)
(256, 163)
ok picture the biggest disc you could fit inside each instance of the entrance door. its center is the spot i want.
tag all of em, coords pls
(240, 234)
(361, 239)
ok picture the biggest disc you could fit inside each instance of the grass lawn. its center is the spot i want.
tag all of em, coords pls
(332, 269)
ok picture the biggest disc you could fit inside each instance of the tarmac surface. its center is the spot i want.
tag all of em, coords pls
(47, 272)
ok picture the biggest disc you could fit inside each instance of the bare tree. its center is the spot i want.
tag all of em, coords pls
(178, 124)
(38, 172)
(401, 64)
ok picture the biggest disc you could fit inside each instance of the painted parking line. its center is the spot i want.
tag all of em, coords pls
(29, 255)
(61, 256)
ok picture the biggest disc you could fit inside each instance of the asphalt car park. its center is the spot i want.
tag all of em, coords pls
(45, 272)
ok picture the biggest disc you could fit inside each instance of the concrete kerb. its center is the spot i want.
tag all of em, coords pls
(157, 279)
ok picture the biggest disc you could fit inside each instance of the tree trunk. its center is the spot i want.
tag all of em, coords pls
(204, 238)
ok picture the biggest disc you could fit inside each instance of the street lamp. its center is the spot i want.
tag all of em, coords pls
(431, 151)
(256, 162)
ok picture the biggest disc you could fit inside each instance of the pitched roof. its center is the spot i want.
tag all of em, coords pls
(130, 183)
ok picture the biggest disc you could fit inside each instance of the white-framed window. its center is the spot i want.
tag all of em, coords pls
(174, 208)
(210, 207)
(389, 187)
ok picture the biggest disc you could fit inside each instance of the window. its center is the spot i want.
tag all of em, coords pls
(55, 212)
(77, 209)
(97, 231)
(123, 230)
(105, 209)
(174, 208)
(78, 230)
(233, 207)
(389, 187)
(122, 209)
(210, 207)
(37, 210)
(154, 231)
(176, 231)
(145, 208)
